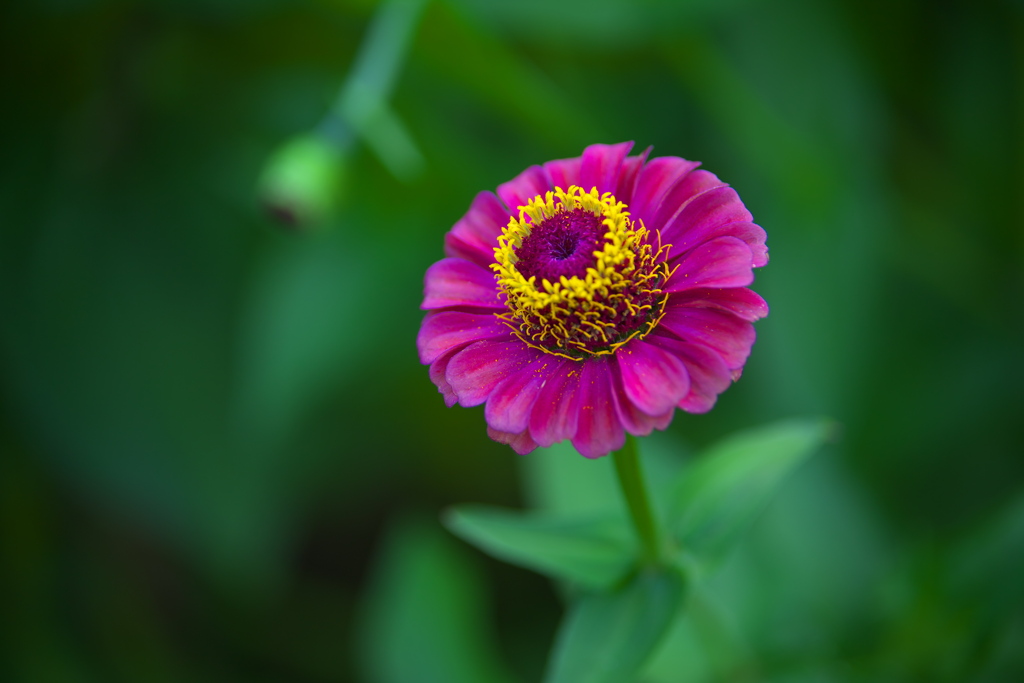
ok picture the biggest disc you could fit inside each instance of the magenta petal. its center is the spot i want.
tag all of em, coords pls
(456, 282)
(602, 165)
(653, 184)
(564, 172)
(524, 187)
(555, 412)
(653, 379)
(752, 234)
(634, 420)
(703, 217)
(520, 443)
(740, 301)
(437, 370)
(721, 262)
(599, 431)
(709, 375)
(726, 334)
(628, 177)
(441, 331)
(476, 370)
(475, 236)
(687, 190)
(510, 403)
(708, 379)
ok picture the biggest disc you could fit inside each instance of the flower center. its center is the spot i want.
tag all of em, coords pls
(562, 245)
(579, 277)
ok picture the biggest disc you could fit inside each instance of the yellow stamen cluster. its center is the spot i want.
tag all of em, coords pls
(618, 298)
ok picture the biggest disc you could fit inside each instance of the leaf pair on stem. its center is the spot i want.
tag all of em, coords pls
(626, 588)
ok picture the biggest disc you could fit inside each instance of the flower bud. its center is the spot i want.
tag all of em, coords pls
(302, 181)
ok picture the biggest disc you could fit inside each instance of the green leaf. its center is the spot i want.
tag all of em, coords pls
(607, 637)
(425, 617)
(594, 553)
(985, 568)
(559, 480)
(717, 498)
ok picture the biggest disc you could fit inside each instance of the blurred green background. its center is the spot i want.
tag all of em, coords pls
(220, 459)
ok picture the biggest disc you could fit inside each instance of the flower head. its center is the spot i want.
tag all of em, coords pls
(592, 297)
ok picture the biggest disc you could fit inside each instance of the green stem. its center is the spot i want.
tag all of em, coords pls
(631, 480)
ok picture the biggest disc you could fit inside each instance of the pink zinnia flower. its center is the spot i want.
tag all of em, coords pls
(592, 297)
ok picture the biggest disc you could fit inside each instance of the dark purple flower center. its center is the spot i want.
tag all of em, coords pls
(562, 245)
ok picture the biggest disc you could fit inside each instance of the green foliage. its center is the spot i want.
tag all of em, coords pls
(558, 481)
(715, 500)
(609, 629)
(606, 637)
(424, 620)
(786, 601)
(595, 554)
